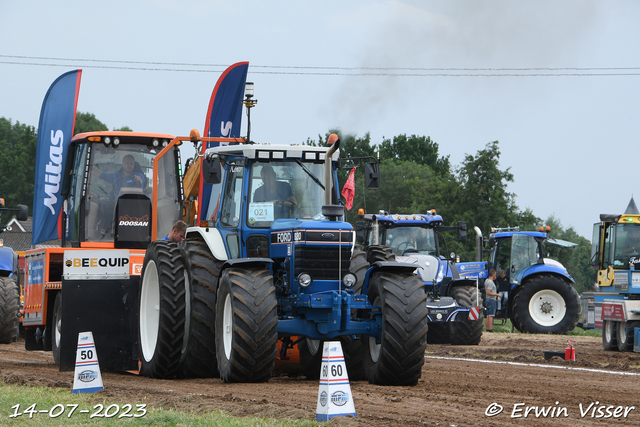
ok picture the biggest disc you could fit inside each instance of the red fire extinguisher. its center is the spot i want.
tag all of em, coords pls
(570, 352)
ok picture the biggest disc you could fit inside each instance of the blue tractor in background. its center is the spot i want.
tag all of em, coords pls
(538, 295)
(10, 283)
(454, 302)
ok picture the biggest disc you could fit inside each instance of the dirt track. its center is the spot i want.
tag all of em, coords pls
(505, 369)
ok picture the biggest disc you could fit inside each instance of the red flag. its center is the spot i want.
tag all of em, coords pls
(349, 189)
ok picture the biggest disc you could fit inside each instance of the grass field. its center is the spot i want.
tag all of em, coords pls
(508, 327)
(62, 408)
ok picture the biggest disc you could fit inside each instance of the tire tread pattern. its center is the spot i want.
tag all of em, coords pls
(9, 310)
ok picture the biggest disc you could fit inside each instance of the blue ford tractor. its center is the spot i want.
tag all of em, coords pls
(454, 303)
(256, 269)
(538, 295)
(10, 283)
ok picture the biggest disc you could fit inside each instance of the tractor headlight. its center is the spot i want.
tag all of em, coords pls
(440, 274)
(349, 280)
(305, 280)
(107, 140)
(155, 142)
(116, 141)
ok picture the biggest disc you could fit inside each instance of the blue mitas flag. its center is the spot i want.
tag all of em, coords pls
(57, 118)
(224, 117)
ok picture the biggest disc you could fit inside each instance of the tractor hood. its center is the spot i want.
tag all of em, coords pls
(428, 266)
(311, 232)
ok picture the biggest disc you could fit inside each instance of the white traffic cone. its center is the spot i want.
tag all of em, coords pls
(334, 395)
(86, 378)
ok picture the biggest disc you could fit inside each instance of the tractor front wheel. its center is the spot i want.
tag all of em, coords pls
(163, 310)
(246, 325)
(56, 331)
(466, 332)
(399, 356)
(311, 357)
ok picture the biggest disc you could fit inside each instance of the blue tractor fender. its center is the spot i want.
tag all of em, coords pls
(386, 266)
(8, 261)
(538, 269)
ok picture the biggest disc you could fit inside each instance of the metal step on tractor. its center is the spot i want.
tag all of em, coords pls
(269, 259)
(454, 303)
(10, 287)
(538, 293)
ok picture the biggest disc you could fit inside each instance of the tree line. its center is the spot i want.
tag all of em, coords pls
(415, 178)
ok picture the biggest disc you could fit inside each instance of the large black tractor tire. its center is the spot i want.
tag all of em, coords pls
(56, 328)
(379, 253)
(399, 357)
(625, 335)
(163, 310)
(466, 332)
(246, 325)
(609, 335)
(311, 357)
(438, 333)
(203, 271)
(352, 346)
(546, 304)
(9, 310)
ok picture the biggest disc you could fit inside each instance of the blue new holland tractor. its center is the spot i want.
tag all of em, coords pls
(10, 283)
(538, 293)
(270, 260)
(454, 303)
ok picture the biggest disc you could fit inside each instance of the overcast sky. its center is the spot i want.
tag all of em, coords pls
(556, 82)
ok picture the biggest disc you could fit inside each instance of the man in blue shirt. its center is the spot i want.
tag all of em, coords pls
(177, 232)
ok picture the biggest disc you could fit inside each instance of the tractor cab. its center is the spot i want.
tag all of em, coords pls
(109, 196)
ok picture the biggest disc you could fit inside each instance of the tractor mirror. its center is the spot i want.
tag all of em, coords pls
(492, 242)
(361, 231)
(462, 231)
(23, 213)
(372, 176)
(211, 171)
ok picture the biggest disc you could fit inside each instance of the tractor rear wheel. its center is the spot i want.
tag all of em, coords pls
(203, 273)
(9, 310)
(399, 357)
(56, 330)
(246, 325)
(609, 335)
(162, 310)
(379, 253)
(466, 332)
(546, 304)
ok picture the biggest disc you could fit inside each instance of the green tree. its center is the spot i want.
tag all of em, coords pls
(87, 122)
(418, 149)
(17, 161)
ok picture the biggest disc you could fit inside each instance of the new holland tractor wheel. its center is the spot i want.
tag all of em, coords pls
(399, 357)
(9, 309)
(203, 271)
(246, 325)
(609, 335)
(546, 304)
(163, 310)
(438, 333)
(56, 331)
(466, 332)
(379, 253)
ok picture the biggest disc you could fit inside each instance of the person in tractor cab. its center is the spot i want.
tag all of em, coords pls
(278, 192)
(129, 175)
(177, 232)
